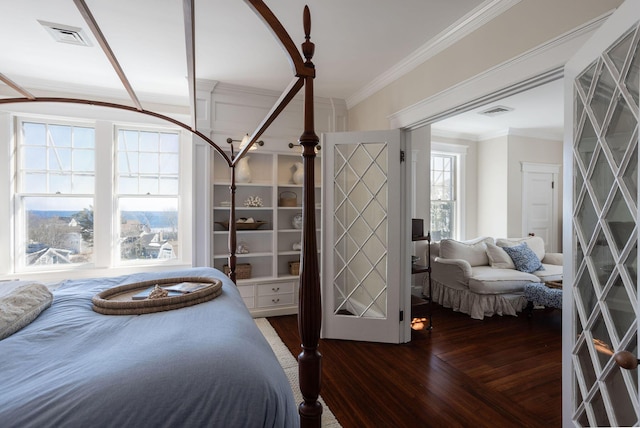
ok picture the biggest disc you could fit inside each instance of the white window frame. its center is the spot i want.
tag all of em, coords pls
(459, 152)
(104, 231)
(20, 240)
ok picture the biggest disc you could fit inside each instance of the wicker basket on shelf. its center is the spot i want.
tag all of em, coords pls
(294, 268)
(243, 270)
(288, 199)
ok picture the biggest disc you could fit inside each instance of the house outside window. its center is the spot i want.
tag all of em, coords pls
(443, 196)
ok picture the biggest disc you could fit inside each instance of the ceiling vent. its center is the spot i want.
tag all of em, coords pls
(495, 111)
(66, 34)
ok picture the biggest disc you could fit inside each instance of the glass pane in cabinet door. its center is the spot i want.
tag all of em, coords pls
(602, 179)
(620, 130)
(620, 308)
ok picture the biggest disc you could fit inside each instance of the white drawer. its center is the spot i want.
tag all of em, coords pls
(275, 300)
(275, 288)
(249, 302)
(246, 290)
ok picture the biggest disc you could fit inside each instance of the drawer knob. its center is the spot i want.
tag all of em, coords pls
(275, 289)
(275, 300)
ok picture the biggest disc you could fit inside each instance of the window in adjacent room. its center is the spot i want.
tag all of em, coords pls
(443, 196)
(55, 193)
(147, 185)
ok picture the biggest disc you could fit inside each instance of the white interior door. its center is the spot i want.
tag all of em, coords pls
(539, 203)
(600, 311)
(365, 264)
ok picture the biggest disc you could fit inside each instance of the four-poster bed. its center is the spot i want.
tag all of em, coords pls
(309, 313)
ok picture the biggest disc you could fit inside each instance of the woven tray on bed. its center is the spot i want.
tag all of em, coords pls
(118, 300)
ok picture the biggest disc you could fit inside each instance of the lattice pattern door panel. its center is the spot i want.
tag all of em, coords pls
(605, 189)
(360, 230)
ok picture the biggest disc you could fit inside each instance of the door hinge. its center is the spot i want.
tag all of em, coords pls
(401, 156)
(553, 184)
(401, 316)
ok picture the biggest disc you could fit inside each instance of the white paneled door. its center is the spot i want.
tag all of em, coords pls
(365, 262)
(600, 224)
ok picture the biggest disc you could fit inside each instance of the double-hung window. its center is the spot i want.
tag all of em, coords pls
(147, 193)
(55, 193)
(443, 196)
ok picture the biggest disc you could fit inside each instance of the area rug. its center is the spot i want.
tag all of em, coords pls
(290, 366)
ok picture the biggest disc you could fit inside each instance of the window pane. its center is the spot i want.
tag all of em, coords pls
(149, 163)
(59, 230)
(442, 220)
(148, 228)
(60, 136)
(84, 138)
(149, 142)
(34, 158)
(34, 134)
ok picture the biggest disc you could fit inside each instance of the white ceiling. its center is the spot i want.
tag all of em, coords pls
(358, 43)
(538, 112)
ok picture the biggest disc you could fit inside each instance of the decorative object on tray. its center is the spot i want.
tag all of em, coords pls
(158, 293)
(119, 300)
(294, 268)
(253, 201)
(243, 172)
(243, 270)
(243, 224)
(288, 199)
(296, 221)
(298, 173)
(297, 246)
(242, 248)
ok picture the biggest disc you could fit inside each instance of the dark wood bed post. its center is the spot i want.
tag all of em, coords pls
(309, 305)
(232, 225)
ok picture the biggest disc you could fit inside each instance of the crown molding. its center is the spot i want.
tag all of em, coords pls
(530, 69)
(475, 19)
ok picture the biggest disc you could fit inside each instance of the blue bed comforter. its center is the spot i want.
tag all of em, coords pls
(203, 365)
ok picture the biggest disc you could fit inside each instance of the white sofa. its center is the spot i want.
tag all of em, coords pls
(479, 278)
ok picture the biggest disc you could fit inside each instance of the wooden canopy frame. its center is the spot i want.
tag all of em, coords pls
(309, 305)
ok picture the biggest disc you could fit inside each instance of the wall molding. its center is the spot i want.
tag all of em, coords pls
(533, 68)
(464, 26)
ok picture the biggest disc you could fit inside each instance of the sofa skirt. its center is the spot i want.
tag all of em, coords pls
(477, 306)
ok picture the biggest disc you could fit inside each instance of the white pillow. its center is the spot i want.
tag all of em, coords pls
(473, 251)
(22, 305)
(536, 243)
(498, 258)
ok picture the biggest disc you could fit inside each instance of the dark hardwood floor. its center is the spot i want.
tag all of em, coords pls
(498, 372)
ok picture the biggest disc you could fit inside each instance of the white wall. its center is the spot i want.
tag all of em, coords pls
(492, 181)
(532, 150)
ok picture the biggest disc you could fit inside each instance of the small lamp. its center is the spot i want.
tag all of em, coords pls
(243, 143)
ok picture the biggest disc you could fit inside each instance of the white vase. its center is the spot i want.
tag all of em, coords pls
(243, 172)
(298, 174)
(296, 221)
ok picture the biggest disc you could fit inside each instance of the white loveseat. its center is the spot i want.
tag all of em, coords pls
(479, 278)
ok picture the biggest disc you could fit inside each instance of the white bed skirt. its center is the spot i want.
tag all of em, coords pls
(477, 306)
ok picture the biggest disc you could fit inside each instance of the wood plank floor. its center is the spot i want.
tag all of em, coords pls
(498, 372)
